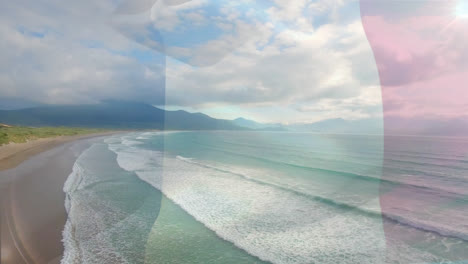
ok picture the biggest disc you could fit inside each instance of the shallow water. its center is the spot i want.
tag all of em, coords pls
(248, 197)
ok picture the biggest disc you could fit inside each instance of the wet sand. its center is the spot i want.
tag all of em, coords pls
(32, 212)
(13, 154)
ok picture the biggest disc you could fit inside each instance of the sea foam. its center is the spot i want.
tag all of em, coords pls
(270, 223)
(268, 216)
(110, 211)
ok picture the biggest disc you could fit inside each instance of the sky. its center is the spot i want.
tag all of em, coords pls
(272, 61)
(420, 49)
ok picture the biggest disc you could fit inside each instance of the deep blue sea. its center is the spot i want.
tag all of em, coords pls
(268, 197)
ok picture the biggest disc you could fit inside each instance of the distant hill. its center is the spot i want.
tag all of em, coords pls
(112, 114)
(15, 103)
(339, 125)
(131, 115)
(242, 122)
(390, 126)
(247, 123)
(336, 125)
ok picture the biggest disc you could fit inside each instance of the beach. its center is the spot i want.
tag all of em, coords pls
(267, 197)
(237, 197)
(33, 215)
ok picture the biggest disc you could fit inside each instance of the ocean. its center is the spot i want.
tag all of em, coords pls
(268, 197)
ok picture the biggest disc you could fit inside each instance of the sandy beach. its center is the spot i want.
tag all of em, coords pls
(11, 155)
(33, 215)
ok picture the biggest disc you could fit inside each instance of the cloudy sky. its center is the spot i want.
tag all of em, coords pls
(269, 60)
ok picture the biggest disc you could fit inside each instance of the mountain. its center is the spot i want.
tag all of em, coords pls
(15, 103)
(113, 114)
(242, 122)
(424, 126)
(247, 123)
(339, 125)
(130, 115)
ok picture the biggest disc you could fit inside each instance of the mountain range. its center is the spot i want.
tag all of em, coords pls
(134, 115)
(242, 122)
(115, 115)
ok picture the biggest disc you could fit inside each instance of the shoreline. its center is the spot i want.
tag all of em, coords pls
(13, 154)
(33, 215)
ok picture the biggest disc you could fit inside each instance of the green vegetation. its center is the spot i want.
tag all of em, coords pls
(18, 134)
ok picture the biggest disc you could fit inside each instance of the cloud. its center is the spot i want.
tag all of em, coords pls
(76, 58)
(422, 58)
(282, 66)
(303, 56)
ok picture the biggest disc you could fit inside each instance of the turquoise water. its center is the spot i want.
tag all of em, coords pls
(254, 197)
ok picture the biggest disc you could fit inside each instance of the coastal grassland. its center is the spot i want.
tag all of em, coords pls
(17, 134)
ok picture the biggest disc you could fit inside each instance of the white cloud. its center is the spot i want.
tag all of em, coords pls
(71, 60)
(265, 57)
(167, 16)
(332, 65)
